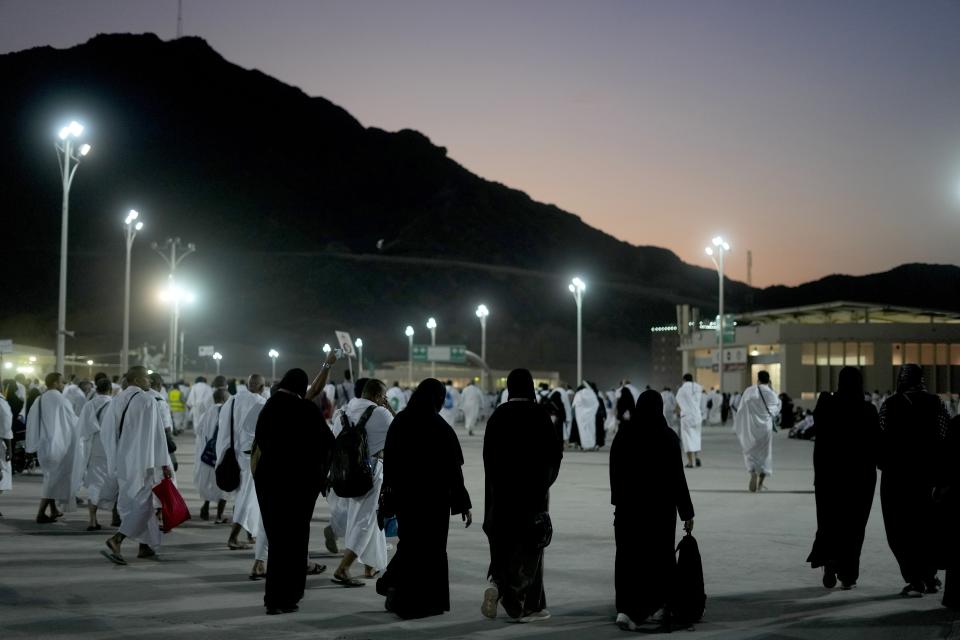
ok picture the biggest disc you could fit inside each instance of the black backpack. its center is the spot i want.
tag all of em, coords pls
(228, 471)
(209, 454)
(688, 600)
(350, 472)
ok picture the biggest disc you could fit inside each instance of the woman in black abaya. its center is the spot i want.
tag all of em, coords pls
(648, 489)
(294, 444)
(423, 486)
(845, 477)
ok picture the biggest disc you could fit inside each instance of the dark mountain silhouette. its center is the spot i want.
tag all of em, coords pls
(307, 221)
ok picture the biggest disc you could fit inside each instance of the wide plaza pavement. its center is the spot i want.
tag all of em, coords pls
(55, 583)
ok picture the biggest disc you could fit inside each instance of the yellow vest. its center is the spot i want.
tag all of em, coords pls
(176, 403)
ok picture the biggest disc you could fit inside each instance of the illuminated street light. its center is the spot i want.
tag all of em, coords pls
(217, 357)
(358, 343)
(175, 295)
(409, 334)
(432, 326)
(716, 253)
(132, 225)
(273, 354)
(482, 313)
(69, 161)
(89, 368)
(173, 260)
(577, 287)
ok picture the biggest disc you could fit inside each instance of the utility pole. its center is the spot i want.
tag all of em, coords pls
(173, 260)
(749, 268)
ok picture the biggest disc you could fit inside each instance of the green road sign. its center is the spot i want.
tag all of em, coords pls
(441, 353)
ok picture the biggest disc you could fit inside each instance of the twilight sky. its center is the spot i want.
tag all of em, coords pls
(822, 135)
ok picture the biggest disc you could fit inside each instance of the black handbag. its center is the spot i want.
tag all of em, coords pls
(209, 454)
(540, 532)
(228, 471)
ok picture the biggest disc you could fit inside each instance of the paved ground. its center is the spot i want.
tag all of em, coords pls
(54, 583)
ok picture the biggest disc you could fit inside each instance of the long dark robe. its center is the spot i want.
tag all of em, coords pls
(295, 444)
(423, 485)
(845, 480)
(648, 489)
(521, 460)
(910, 440)
(947, 505)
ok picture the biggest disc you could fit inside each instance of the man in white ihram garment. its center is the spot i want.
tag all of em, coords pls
(451, 405)
(136, 448)
(586, 403)
(397, 398)
(76, 395)
(355, 519)
(52, 435)
(199, 399)
(101, 486)
(670, 408)
(6, 445)
(204, 473)
(715, 409)
(471, 401)
(234, 418)
(753, 424)
(689, 402)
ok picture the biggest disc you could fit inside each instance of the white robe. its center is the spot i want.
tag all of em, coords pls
(471, 400)
(101, 486)
(715, 414)
(244, 409)
(6, 433)
(204, 476)
(451, 405)
(75, 395)
(397, 399)
(199, 400)
(52, 435)
(753, 425)
(669, 408)
(355, 519)
(690, 398)
(585, 406)
(567, 412)
(136, 456)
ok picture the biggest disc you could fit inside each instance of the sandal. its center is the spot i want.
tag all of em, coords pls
(112, 556)
(95, 527)
(45, 519)
(237, 546)
(315, 568)
(347, 581)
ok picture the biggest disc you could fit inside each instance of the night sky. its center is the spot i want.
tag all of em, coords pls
(824, 136)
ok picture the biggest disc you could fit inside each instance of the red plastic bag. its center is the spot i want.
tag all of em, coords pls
(173, 509)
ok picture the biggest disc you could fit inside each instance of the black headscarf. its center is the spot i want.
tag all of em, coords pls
(650, 409)
(850, 384)
(520, 385)
(626, 407)
(428, 397)
(295, 381)
(910, 379)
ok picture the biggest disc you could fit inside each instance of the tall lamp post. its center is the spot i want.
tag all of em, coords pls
(173, 260)
(716, 252)
(482, 313)
(217, 357)
(132, 225)
(432, 326)
(359, 345)
(90, 369)
(274, 354)
(174, 296)
(69, 160)
(577, 287)
(409, 334)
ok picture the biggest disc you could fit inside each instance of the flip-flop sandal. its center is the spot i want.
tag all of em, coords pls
(316, 569)
(347, 582)
(115, 558)
(238, 547)
(94, 528)
(373, 576)
(257, 576)
(45, 519)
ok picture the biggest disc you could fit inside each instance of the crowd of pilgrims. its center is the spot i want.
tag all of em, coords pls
(116, 439)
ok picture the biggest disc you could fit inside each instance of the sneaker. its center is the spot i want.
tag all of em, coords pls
(912, 591)
(846, 586)
(536, 616)
(753, 483)
(625, 623)
(490, 599)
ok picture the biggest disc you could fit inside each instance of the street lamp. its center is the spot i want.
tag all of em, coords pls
(132, 225)
(274, 354)
(173, 260)
(69, 160)
(359, 345)
(409, 334)
(217, 357)
(577, 287)
(482, 313)
(89, 368)
(432, 326)
(174, 296)
(716, 252)
(326, 349)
